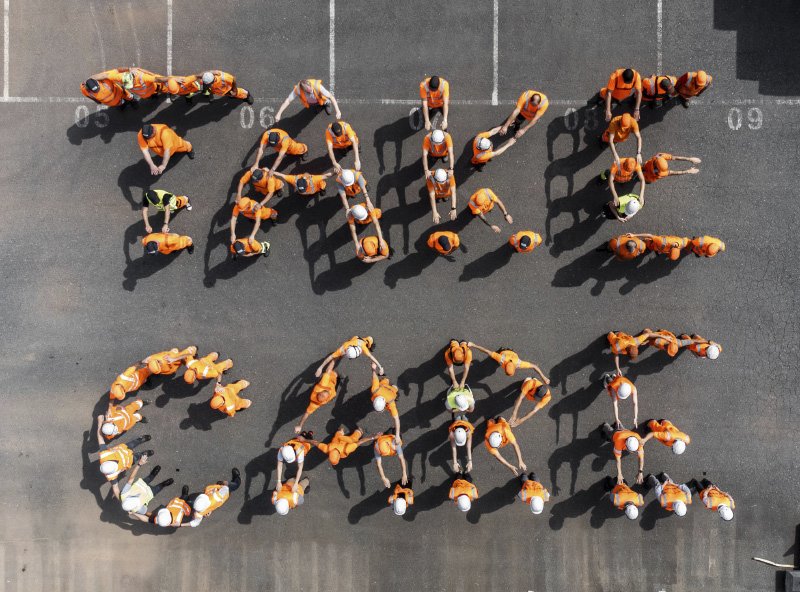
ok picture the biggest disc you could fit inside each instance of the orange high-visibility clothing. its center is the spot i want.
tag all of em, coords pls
(441, 190)
(159, 364)
(404, 492)
(514, 241)
(706, 246)
(665, 341)
(625, 172)
(618, 442)
(316, 91)
(437, 150)
(526, 107)
(665, 432)
(124, 418)
(246, 207)
(109, 93)
(530, 388)
(216, 497)
(371, 244)
(168, 242)
(315, 183)
(713, 497)
(463, 487)
(292, 146)
(434, 98)
(129, 381)
(622, 495)
(651, 87)
(251, 245)
(227, 400)
(620, 130)
(341, 446)
(668, 245)
(286, 493)
(163, 139)
(457, 351)
(671, 493)
(385, 445)
(531, 489)
(178, 509)
(656, 168)
(355, 188)
(619, 245)
(613, 386)
(327, 384)
(120, 454)
(207, 367)
(433, 241)
(268, 184)
(345, 140)
(692, 84)
(621, 90)
(382, 387)
(482, 201)
(481, 156)
(501, 427)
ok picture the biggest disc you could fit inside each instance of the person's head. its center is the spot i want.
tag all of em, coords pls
(238, 247)
(679, 447)
(444, 243)
(631, 511)
(148, 131)
(463, 502)
(337, 129)
(379, 404)
(127, 80)
(527, 240)
(109, 429)
(714, 248)
(462, 402)
(460, 436)
(224, 491)
(109, 467)
(288, 454)
(117, 391)
(302, 184)
(627, 76)
(190, 375)
(712, 352)
(510, 368)
(305, 84)
(628, 165)
(624, 391)
(437, 136)
(282, 506)
(725, 513)
(627, 120)
(495, 439)
(163, 518)
(484, 144)
(440, 175)
(151, 248)
(324, 396)
(434, 83)
(359, 212)
(371, 247)
(334, 456)
(273, 138)
(662, 167)
(631, 246)
(353, 351)
(679, 508)
(537, 505)
(92, 85)
(399, 506)
(541, 392)
(632, 207)
(348, 177)
(456, 352)
(201, 503)
(666, 85)
(131, 503)
(173, 88)
(257, 175)
(208, 78)
(702, 78)
(536, 99)
(632, 444)
(674, 253)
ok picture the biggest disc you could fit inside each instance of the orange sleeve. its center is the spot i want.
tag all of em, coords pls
(265, 137)
(510, 436)
(665, 155)
(638, 82)
(446, 90)
(141, 140)
(422, 90)
(328, 137)
(246, 177)
(452, 183)
(448, 139)
(312, 407)
(612, 82)
(496, 357)
(375, 382)
(543, 105)
(468, 357)
(426, 143)
(393, 409)
(168, 140)
(323, 447)
(236, 210)
(521, 100)
(429, 184)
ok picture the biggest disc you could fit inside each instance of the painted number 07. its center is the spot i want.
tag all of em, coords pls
(755, 119)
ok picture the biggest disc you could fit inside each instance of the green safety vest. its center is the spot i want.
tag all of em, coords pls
(160, 204)
(623, 201)
(141, 489)
(453, 392)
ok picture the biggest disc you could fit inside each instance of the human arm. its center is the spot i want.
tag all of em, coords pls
(536, 369)
(453, 449)
(503, 209)
(508, 144)
(434, 210)
(404, 467)
(363, 184)
(141, 517)
(252, 236)
(450, 371)
(135, 471)
(513, 421)
(640, 474)
(494, 227)
(446, 108)
(165, 160)
(299, 427)
(508, 122)
(285, 104)
(357, 154)
(299, 475)
(613, 147)
(425, 166)
(635, 408)
(520, 462)
(259, 154)
(479, 348)
(529, 124)
(374, 361)
(379, 465)
(281, 154)
(469, 452)
(397, 432)
(264, 201)
(233, 229)
(616, 361)
(354, 236)
(335, 104)
(638, 146)
(619, 468)
(642, 186)
(617, 423)
(425, 116)
(332, 156)
(638, 93)
(503, 461)
(608, 104)
(692, 159)
(318, 371)
(167, 215)
(280, 475)
(100, 441)
(453, 199)
(149, 160)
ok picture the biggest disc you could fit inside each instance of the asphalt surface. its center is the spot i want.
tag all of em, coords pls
(80, 304)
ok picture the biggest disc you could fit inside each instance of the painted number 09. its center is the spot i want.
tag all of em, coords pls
(247, 117)
(755, 119)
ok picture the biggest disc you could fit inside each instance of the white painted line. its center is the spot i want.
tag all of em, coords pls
(495, 59)
(5, 47)
(5, 99)
(99, 36)
(169, 37)
(332, 46)
(659, 34)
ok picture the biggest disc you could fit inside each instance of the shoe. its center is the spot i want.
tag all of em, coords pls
(149, 452)
(265, 249)
(143, 420)
(303, 157)
(235, 474)
(188, 206)
(167, 482)
(185, 492)
(685, 103)
(190, 249)
(189, 100)
(665, 477)
(250, 100)
(146, 402)
(306, 489)
(156, 470)
(146, 438)
(328, 108)
(279, 193)
(191, 154)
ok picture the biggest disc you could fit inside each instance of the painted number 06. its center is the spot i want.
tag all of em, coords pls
(755, 119)
(247, 117)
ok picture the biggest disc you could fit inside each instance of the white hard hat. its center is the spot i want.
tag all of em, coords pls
(632, 444)
(484, 144)
(437, 136)
(399, 506)
(348, 177)
(359, 212)
(208, 77)
(631, 511)
(537, 505)
(495, 439)
(224, 491)
(463, 502)
(282, 506)
(201, 503)
(353, 351)
(379, 404)
(109, 429)
(131, 503)
(462, 402)
(440, 175)
(624, 391)
(108, 467)
(712, 352)
(679, 447)
(460, 436)
(632, 207)
(725, 513)
(287, 452)
(163, 518)
(679, 508)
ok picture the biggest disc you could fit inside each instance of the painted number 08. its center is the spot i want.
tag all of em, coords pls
(755, 119)
(247, 117)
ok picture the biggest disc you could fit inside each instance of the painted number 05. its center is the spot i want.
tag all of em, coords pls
(755, 119)
(82, 118)
(247, 117)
